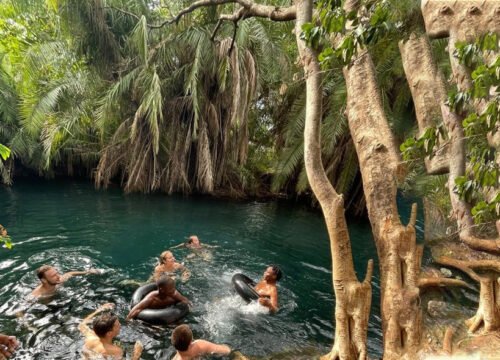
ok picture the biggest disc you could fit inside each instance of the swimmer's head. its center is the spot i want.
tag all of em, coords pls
(166, 256)
(166, 286)
(182, 337)
(193, 240)
(3, 231)
(272, 273)
(48, 275)
(106, 325)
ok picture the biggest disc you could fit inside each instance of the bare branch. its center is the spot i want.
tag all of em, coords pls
(440, 282)
(214, 32)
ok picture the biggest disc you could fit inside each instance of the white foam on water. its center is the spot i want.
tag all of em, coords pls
(222, 314)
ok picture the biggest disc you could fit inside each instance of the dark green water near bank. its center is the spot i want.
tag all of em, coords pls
(72, 226)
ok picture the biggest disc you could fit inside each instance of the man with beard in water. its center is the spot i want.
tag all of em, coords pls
(166, 295)
(267, 290)
(99, 340)
(50, 279)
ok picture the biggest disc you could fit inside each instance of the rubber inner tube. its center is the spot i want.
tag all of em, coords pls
(164, 316)
(244, 286)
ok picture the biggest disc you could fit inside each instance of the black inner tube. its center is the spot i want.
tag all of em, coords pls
(244, 286)
(164, 316)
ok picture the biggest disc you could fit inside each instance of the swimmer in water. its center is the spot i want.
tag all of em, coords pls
(99, 340)
(168, 266)
(267, 290)
(187, 349)
(50, 279)
(193, 243)
(166, 295)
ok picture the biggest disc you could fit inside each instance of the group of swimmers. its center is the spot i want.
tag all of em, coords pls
(106, 326)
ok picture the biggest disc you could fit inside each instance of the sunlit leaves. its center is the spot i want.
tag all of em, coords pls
(4, 152)
(355, 32)
(424, 145)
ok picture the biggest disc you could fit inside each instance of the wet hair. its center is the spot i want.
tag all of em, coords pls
(165, 281)
(40, 272)
(182, 337)
(277, 271)
(162, 256)
(104, 323)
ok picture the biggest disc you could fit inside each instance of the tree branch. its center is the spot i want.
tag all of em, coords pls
(439, 282)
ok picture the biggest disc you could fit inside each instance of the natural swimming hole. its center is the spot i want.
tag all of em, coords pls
(72, 226)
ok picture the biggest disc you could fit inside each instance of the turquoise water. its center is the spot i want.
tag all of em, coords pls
(72, 226)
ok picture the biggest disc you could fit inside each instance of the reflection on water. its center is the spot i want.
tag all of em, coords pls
(73, 227)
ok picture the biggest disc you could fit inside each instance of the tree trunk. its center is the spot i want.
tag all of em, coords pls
(396, 244)
(353, 299)
(428, 91)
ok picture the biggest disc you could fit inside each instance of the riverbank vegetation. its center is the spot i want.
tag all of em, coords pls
(240, 98)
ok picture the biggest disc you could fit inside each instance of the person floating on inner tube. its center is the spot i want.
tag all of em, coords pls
(168, 266)
(165, 296)
(99, 340)
(267, 290)
(187, 349)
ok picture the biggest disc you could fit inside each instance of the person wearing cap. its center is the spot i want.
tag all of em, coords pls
(267, 289)
(99, 339)
(188, 349)
(168, 266)
(50, 279)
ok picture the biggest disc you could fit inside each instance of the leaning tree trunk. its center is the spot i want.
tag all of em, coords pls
(353, 299)
(428, 91)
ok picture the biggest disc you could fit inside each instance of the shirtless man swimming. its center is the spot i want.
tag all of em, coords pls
(267, 289)
(187, 349)
(50, 279)
(99, 339)
(166, 295)
(168, 266)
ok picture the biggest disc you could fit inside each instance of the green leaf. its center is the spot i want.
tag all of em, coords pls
(4, 152)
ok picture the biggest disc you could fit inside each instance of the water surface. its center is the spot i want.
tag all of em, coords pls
(72, 226)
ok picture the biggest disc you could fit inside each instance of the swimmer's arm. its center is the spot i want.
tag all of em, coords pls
(179, 297)
(186, 274)
(206, 347)
(84, 325)
(136, 355)
(143, 304)
(178, 246)
(70, 274)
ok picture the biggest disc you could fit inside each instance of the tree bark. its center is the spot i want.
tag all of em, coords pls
(353, 299)
(396, 244)
(428, 91)
(380, 167)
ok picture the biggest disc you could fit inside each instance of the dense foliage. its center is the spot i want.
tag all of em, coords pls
(114, 91)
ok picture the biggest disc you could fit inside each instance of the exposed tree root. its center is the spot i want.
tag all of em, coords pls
(488, 313)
